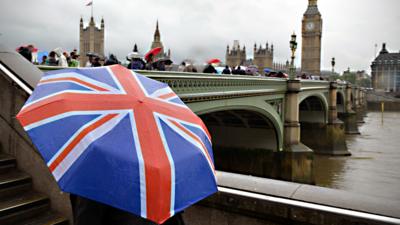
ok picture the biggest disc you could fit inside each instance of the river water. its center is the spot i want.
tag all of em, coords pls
(374, 167)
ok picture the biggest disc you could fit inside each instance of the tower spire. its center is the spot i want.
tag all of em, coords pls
(312, 2)
(157, 35)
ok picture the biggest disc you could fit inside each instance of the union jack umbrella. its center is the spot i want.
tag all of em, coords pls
(117, 137)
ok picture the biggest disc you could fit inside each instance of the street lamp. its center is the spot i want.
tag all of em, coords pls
(333, 63)
(293, 47)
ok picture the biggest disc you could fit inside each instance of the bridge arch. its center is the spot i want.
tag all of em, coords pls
(246, 138)
(313, 108)
(340, 102)
(266, 112)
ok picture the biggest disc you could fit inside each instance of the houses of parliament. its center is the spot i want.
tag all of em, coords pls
(92, 40)
(263, 56)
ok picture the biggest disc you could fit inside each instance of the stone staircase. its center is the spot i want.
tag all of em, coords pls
(19, 203)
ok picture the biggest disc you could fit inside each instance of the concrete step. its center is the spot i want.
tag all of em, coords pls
(14, 182)
(7, 163)
(16, 208)
(19, 204)
(48, 218)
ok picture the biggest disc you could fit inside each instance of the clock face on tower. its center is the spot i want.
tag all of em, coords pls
(310, 26)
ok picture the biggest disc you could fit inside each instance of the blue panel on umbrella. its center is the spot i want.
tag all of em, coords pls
(44, 90)
(194, 178)
(100, 74)
(111, 164)
(177, 100)
(60, 132)
(200, 133)
(150, 85)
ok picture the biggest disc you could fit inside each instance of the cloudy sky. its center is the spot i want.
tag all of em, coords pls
(201, 29)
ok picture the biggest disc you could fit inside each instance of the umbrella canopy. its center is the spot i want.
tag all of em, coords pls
(120, 138)
(211, 61)
(40, 56)
(26, 46)
(165, 61)
(91, 54)
(267, 70)
(153, 52)
(134, 55)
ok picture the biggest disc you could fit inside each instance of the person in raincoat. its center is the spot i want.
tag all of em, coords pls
(150, 62)
(62, 60)
(74, 60)
(209, 69)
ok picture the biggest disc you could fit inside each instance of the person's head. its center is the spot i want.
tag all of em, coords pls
(239, 67)
(183, 63)
(31, 48)
(44, 58)
(66, 54)
(52, 54)
(90, 58)
(74, 55)
(227, 67)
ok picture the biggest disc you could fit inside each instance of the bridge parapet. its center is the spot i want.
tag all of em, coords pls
(193, 87)
(307, 85)
(202, 87)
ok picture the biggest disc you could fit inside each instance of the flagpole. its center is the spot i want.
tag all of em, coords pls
(92, 8)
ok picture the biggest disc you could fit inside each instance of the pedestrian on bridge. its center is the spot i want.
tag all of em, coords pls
(226, 70)
(209, 69)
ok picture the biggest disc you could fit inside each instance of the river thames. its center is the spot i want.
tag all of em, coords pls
(374, 167)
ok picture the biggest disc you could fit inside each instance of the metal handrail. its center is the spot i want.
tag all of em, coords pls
(15, 78)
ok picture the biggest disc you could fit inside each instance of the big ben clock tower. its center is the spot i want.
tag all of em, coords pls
(312, 33)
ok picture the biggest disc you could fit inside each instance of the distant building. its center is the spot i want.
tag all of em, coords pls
(91, 39)
(311, 45)
(263, 57)
(235, 56)
(157, 43)
(386, 71)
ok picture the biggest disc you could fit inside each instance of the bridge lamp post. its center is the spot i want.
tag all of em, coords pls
(333, 63)
(293, 47)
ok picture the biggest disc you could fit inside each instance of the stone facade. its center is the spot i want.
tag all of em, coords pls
(386, 71)
(263, 57)
(157, 43)
(311, 34)
(235, 56)
(91, 39)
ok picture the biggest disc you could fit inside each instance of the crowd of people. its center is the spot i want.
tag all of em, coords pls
(61, 58)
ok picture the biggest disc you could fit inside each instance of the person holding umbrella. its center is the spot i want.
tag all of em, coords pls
(128, 142)
(150, 57)
(210, 68)
(135, 61)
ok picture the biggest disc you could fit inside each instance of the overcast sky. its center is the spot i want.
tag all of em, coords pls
(201, 29)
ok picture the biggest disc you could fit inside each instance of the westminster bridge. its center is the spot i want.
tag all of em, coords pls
(281, 122)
